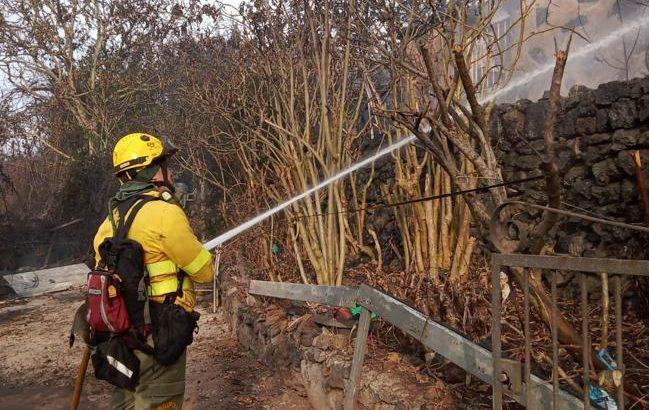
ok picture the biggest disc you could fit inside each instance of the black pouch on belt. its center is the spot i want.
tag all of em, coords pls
(173, 328)
(173, 331)
(115, 362)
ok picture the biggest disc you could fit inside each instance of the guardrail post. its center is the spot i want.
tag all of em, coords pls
(357, 362)
(216, 285)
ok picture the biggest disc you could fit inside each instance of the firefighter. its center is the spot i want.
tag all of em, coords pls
(173, 257)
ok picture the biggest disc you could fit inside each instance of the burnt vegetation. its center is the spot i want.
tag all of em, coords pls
(270, 99)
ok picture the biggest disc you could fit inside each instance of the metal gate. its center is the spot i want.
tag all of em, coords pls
(529, 391)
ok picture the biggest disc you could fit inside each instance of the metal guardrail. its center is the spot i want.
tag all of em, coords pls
(613, 267)
(466, 354)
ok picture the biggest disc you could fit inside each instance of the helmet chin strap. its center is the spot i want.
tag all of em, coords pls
(165, 177)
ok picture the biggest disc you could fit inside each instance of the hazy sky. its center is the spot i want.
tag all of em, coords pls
(234, 3)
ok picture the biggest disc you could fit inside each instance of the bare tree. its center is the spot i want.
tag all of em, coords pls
(80, 51)
(453, 125)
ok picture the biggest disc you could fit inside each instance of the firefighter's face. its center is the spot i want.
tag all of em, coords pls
(159, 177)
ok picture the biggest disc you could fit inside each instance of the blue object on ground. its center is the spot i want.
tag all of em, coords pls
(601, 399)
(606, 359)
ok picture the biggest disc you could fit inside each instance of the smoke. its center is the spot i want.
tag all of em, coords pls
(604, 46)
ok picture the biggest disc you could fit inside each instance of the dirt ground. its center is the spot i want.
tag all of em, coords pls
(38, 368)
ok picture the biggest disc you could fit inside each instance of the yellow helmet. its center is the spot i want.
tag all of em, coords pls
(139, 150)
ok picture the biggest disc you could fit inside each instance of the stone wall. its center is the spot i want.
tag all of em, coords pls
(596, 131)
(285, 336)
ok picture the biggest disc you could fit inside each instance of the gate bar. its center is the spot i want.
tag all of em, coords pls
(585, 352)
(528, 343)
(619, 348)
(496, 386)
(555, 341)
(579, 264)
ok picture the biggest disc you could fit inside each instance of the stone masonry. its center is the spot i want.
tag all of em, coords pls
(596, 131)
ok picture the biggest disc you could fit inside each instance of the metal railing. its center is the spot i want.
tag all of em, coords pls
(532, 391)
(217, 279)
(466, 354)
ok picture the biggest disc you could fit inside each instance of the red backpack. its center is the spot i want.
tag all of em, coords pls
(106, 306)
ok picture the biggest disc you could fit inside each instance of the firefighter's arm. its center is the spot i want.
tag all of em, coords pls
(183, 248)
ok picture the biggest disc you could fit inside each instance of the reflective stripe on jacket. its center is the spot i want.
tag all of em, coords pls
(169, 245)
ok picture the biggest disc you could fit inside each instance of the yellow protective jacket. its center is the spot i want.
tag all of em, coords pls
(169, 244)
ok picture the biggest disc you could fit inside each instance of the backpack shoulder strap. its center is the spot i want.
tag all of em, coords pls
(124, 224)
(119, 209)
